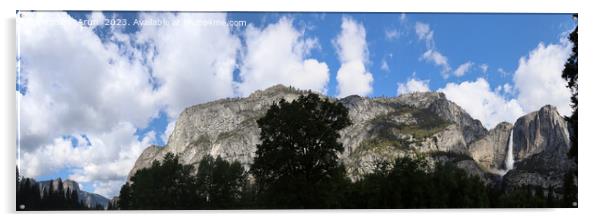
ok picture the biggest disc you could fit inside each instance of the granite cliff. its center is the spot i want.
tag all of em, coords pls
(425, 124)
(91, 200)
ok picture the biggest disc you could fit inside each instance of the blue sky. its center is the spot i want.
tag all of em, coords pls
(495, 39)
(522, 54)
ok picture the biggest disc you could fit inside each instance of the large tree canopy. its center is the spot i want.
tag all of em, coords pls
(570, 74)
(296, 165)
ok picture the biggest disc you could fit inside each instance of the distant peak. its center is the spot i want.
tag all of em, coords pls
(418, 94)
(547, 107)
(277, 89)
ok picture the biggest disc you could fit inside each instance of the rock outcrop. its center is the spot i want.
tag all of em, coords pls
(424, 124)
(383, 128)
(490, 150)
(90, 200)
(541, 143)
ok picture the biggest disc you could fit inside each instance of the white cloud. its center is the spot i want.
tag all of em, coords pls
(80, 85)
(277, 54)
(503, 72)
(482, 103)
(507, 88)
(424, 32)
(413, 85)
(107, 188)
(538, 78)
(352, 77)
(192, 63)
(484, 68)
(537, 82)
(76, 84)
(170, 127)
(439, 59)
(107, 160)
(462, 69)
(392, 34)
(96, 19)
(384, 66)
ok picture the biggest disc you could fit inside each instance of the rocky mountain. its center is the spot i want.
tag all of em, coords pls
(91, 200)
(416, 124)
(541, 142)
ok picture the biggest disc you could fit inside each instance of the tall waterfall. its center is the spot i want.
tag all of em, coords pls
(509, 155)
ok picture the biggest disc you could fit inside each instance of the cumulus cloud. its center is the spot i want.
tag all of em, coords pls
(278, 54)
(78, 84)
(192, 63)
(478, 99)
(507, 88)
(102, 159)
(462, 69)
(538, 78)
(536, 82)
(352, 76)
(413, 85)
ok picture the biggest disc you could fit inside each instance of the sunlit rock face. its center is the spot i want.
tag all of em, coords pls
(540, 146)
(416, 124)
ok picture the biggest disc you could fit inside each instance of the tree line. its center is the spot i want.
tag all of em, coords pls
(30, 197)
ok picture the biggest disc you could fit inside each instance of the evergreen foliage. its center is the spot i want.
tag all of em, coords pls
(296, 165)
(31, 198)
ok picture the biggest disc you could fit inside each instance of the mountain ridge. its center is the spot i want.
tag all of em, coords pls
(383, 128)
(90, 200)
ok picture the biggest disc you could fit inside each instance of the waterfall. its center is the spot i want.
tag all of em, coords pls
(509, 161)
(509, 155)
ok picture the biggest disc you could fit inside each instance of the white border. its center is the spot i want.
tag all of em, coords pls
(589, 181)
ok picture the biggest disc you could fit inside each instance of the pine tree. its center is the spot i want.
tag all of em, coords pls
(125, 197)
(570, 74)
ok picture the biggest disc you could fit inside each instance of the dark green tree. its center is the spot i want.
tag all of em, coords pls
(296, 165)
(125, 197)
(569, 190)
(165, 185)
(411, 183)
(28, 195)
(220, 183)
(570, 74)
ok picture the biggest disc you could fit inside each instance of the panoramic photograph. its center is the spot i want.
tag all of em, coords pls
(141, 110)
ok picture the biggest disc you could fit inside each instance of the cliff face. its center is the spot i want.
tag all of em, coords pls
(382, 129)
(541, 143)
(89, 199)
(490, 150)
(225, 127)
